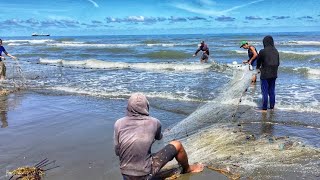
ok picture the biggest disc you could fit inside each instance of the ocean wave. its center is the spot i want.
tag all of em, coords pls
(286, 55)
(124, 94)
(301, 70)
(98, 64)
(166, 55)
(307, 53)
(53, 49)
(115, 50)
(240, 52)
(82, 44)
(26, 42)
(119, 45)
(152, 41)
(304, 43)
(65, 39)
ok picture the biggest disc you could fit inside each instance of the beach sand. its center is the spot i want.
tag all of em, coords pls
(75, 131)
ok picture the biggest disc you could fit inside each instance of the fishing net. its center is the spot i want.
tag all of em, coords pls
(221, 109)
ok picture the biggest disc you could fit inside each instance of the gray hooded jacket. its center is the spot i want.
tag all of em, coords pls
(268, 59)
(134, 135)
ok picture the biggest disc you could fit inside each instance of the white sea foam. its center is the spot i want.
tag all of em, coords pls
(314, 71)
(30, 41)
(81, 44)
(241, 52)
(122, 94)
(164, 45)
(97, 45)
(98, 64)
(302, 52)
(300, 108)
(287, 52)
(317, 43)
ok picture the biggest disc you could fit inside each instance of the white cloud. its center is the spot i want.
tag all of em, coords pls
(241, 6)
(209, 10)
(94, 3)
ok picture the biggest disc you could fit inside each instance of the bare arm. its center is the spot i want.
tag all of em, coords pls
(13, 57)
(197, 51)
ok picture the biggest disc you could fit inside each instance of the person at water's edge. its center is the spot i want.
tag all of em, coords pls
(134, 135)
(205, 52)
(268, 63)
(252, 54)
(2, 58)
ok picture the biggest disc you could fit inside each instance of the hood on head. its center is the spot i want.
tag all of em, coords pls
(268, 41)
(138, 105)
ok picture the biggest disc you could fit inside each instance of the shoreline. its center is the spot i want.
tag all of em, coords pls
(77, 132)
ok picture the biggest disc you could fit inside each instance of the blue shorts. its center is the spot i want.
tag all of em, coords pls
(254, 63)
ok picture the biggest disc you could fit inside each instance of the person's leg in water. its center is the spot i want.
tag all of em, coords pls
(264, 91)
(254, 69)
(2, 71)
(182, 159)
(204, 58)
(271, 92)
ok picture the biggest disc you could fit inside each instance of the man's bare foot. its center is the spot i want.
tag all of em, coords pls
(260, 110)
(195, 168)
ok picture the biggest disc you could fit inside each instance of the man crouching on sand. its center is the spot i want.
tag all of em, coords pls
(134, 135)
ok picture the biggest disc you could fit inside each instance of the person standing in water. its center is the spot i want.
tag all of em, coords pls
(134, 135)
(205, 52)
(2, 58)
(268, 63)
(252, 54)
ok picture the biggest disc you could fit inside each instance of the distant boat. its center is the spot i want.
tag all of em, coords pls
(36, 34)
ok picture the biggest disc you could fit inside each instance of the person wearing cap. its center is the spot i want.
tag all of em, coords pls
(2, 65)
(253, 55)
(205, 52)
(134, 135)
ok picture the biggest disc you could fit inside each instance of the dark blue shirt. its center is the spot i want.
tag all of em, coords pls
(2, 50)
(250, 54)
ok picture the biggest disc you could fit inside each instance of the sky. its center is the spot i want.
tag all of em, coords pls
(105, 17)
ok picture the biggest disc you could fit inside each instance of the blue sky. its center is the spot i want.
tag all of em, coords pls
(104, 17)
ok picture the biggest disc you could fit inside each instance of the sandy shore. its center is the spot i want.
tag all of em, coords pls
(77, 131)
(73, 130)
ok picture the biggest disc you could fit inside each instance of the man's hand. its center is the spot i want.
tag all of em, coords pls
(194, 55)
(13, 57)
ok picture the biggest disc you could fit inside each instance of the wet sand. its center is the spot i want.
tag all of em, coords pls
(77, 131)
(74, 131)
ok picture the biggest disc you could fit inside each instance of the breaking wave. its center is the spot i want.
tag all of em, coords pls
(98, 64)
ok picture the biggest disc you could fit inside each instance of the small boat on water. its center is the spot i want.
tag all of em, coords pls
(36, 34)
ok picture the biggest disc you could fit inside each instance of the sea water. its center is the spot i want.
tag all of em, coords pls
(214, 95)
